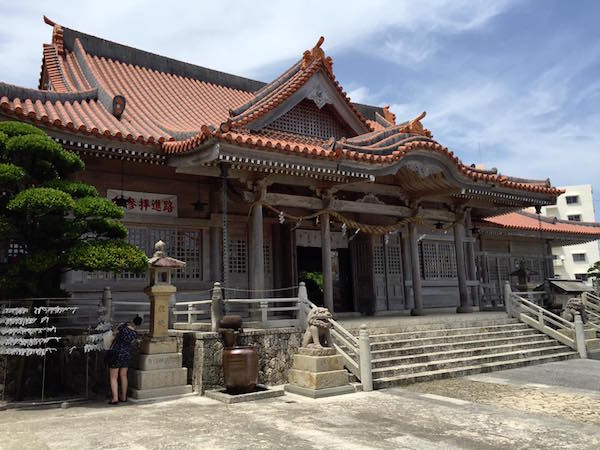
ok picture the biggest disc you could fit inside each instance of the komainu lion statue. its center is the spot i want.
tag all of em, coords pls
(317, 329)
(574, 305)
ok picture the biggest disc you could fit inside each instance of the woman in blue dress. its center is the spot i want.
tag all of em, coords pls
(119, 357)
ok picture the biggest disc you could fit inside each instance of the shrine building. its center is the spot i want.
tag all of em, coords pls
(262, 185)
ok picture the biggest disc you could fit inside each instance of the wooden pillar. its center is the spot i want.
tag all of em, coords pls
(415, 270)
(471, 264)
(216, 244)
(459, 233)
(408, 300)
(326, 262)
(256, 266)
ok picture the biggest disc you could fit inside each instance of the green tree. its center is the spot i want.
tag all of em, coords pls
(50, 224)
(594, 271)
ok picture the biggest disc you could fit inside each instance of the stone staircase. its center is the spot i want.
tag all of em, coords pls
(434, 351)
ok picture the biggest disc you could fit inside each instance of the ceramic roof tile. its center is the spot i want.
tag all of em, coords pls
(182, 106)
(526, 221)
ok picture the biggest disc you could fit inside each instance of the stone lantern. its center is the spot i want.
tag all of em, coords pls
(160, 289)
(159, 372)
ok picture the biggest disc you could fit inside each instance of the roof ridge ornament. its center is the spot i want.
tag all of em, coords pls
(388, 115)
(415, 126)
(316, 54)
(57, 36)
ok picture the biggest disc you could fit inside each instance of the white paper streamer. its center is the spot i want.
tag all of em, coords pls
(17, 351)
(27, 342)
(93, 347)
(54, 309)
(103, 326)
(14, 311)
(18, 320)
(23, 330)
(93, 338)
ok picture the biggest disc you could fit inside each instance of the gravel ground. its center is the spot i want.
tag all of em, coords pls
(580, 407)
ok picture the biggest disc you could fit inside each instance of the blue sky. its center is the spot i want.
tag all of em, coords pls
(513, 84)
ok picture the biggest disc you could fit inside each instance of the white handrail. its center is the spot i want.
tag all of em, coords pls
(570, 334)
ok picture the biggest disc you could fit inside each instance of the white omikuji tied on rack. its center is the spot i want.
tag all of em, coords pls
(101, 340)
(19, 338)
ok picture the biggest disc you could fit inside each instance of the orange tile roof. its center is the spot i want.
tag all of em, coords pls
(176, 106)
(282, 88)
(530, 222)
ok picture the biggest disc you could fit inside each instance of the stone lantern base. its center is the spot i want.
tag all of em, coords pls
(159, 371)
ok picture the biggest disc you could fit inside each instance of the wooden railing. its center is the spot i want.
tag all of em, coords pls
(569, 333)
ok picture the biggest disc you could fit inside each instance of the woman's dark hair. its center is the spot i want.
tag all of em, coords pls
(137, 321)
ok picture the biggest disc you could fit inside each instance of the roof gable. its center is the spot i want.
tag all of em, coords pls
(310, 78)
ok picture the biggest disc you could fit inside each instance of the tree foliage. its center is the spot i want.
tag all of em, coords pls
(50, 224)
(594, 271)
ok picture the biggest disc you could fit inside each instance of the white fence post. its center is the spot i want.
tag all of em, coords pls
(580, 336)
(364, 348)
(216, 306)
(507, 300)
(189, 314)
(264, 305)
(302, 304)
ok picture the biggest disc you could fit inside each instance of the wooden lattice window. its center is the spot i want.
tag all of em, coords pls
(189, 249)
(378, 261)
(181, 244)
(394, 260)
(267, 258)
(308, 120)
(437, 260)
(238, 253)
(447, 257)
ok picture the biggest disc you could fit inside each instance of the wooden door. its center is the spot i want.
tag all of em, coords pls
(394, 278)
(379, 274)
(361, 248)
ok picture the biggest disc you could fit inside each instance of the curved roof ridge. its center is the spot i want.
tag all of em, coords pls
(12, 91)
(284, 86)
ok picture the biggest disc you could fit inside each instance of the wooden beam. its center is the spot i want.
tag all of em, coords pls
(298, 201)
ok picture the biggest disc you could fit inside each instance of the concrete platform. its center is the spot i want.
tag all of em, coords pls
(262, 394)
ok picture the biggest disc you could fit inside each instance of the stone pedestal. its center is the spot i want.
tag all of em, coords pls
(318, 372)
(159, 371)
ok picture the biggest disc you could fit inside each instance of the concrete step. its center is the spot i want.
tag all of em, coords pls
(460, 353)
(399, 380)
(445, 332)
(449, 339)
(452, 363)
(405, 324)
(410, 350)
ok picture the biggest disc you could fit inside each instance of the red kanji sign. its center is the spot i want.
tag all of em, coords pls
(146, 202)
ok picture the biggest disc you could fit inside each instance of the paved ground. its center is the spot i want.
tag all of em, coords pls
(425, 416)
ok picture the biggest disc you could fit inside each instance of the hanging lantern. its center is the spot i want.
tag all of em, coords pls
(281, 217)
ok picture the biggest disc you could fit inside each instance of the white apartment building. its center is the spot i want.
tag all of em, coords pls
(576, 205)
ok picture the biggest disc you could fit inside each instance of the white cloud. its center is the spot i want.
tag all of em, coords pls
(241, 37)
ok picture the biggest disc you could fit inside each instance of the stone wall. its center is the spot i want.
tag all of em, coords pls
(202, 355)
